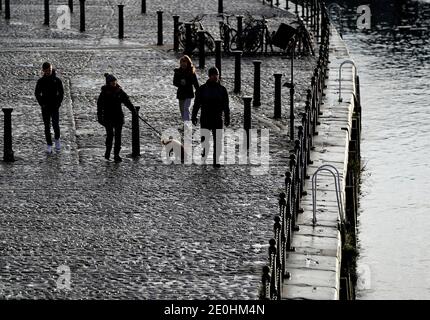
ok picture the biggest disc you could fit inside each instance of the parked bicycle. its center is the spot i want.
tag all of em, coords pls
(256, 35)
(196, 25)
(227, 33)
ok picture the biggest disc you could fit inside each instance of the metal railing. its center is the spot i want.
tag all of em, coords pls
(289, 201)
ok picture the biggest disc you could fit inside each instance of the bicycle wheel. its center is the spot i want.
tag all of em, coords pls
(182, 38)
(251, 40)
(209, 42)
(233, 44)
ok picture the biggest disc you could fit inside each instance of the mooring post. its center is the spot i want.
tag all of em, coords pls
(237, 71)
(7, 139)
(7, 9)
(82, 11)
(202, 58)
(160, 27)
(239, 32)
(46, 23)
(247, 118)
(218, 56)
(296, 10)
(286, 5)
(220, 6)
(176, 33)
(121, 21)
(278, 77)
(1, 5)
(257, 83)
(303, 9)
(143, 11)
(188, 38)
(135, 133)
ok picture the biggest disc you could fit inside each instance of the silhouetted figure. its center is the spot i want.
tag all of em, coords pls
(212, 99)
(185, 79)
(49, 93)
(110, 115)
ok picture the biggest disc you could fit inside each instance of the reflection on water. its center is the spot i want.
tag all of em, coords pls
(394, 221)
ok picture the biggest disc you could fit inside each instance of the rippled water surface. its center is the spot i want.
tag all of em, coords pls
(394, 221)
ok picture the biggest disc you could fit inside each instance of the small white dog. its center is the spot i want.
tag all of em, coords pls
(174, 146)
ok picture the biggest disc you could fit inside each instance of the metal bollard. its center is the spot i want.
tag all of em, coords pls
(247, 118)
(220, 6)
(257, 83)
(303, 9)
(176, 33)
(82, 6)
(1, 5)
(7, 142)
(121, 21)
(307, 11)
(286, 5)
(7, 9)
(202, 58)
(135, 134)
(143, 11)
(160, 28)
(218, 56)
(278, 112)
(188, 38)
(239, 32)
(296, 11)
(237, 71)
(46, 23)
(71, 6)
(277, 3)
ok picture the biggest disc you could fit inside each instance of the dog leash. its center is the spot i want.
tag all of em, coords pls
(155, 130)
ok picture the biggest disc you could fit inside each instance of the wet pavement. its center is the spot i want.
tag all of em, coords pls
(140, 229)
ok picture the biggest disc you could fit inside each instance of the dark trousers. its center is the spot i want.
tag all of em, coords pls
(111, 131)
(217, 137)
(47, 115)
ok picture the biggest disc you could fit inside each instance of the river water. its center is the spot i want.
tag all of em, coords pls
(394, 216)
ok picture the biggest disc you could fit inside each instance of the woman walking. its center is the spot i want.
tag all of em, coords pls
(110, 115)
(185, 79)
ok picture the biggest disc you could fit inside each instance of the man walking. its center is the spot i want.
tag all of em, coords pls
(49, 94)
(212, 99)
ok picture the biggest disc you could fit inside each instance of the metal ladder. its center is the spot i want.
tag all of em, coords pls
(331, 169)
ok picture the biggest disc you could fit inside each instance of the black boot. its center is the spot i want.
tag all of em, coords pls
(107, 153)
(117, 158)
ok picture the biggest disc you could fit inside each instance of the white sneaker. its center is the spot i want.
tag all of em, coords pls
(48, 149)
(57, 145)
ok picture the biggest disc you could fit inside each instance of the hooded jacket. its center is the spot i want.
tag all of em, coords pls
(49, 91)
(185, 91)
(109, 109)
(212, 99)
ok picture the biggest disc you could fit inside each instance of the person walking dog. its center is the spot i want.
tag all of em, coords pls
(49, 93)
(212, 99)
(185, 79)
(110, 114)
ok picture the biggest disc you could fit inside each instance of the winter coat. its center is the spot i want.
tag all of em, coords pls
(185, 91)
(109, 109)
(49, 91)
(212, 99)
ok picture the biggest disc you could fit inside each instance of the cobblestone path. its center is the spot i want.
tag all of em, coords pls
(139, 229)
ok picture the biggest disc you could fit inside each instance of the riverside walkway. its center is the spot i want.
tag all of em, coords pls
(139, 229)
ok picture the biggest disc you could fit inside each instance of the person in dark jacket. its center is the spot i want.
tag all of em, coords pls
(110, 115)
(49, 93)
(212, 99)
(185, 79)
